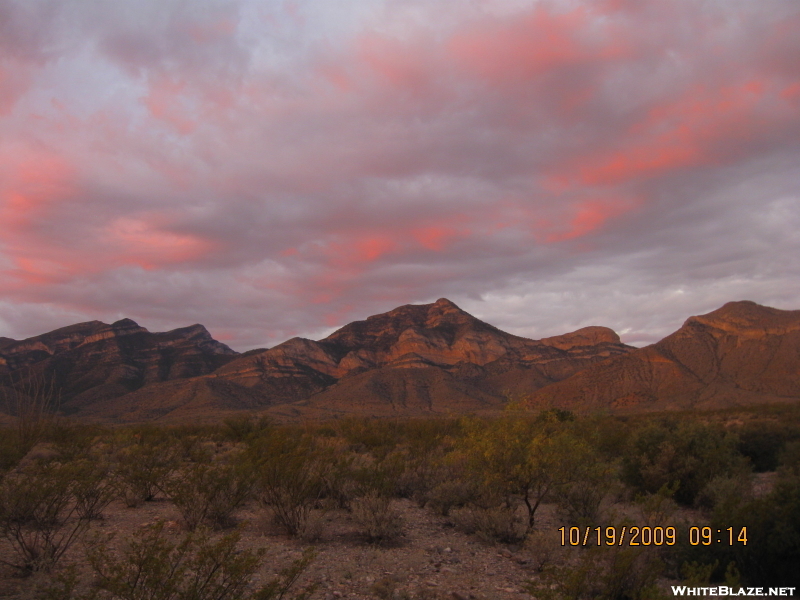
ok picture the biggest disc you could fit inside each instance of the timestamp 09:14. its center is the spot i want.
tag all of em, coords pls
(649, 536)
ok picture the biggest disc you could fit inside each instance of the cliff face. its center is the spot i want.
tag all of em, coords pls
(92, 362)
(742, 353)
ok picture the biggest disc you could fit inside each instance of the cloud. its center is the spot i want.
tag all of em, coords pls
(273, 169)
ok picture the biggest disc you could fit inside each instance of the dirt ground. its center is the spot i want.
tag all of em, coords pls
(432, 560)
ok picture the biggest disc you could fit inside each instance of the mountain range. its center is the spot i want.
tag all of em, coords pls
(431, 359)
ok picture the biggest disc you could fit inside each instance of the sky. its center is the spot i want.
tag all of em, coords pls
(279, 168)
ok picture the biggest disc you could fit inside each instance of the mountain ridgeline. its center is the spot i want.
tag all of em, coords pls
(432, 359)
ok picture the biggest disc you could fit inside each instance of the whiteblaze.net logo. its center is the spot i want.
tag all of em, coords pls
(723, 590)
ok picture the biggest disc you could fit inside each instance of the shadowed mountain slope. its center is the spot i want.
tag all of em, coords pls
(95, 362)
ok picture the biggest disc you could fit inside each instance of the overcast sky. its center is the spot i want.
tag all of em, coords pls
(272, 168)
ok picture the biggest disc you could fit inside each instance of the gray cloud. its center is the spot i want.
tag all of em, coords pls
(269, 169)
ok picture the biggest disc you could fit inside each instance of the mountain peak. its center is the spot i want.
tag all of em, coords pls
(125, 324)
(444, 303)
(747, 315)
(586, 336)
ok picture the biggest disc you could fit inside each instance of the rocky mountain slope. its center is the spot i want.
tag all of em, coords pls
(94, 362)
(742, 353)
(417, 359)
(414, 360)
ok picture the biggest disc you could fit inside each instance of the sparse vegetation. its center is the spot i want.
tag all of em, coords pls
(491, 478)
(39, 515)
(289, 477)
(33, 398)
(209, 493)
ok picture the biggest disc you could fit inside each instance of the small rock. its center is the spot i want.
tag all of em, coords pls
(457, 596)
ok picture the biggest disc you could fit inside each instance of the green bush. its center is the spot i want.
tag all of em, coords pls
(772, 553)
(762, 441)
(519, 459)
(685, 455)
(602, 573)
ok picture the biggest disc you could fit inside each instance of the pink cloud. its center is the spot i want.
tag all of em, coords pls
(589, 216)
(147, 242)
(436, 237)
(33, 180)
(400, 64)
(204, 33)
(528, 45)
(700, 127)
(167, 101)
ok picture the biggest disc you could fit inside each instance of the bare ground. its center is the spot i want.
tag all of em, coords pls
(432, 559)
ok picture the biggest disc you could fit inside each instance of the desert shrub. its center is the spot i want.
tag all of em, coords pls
(772, 552)
(552, 415)
(196, 567)
(543, 547)
(657, 509)
(32, 396)
(74, 441)
(378, 520)
(365, 435)
(495, 523)
(772, 523)
(451, 492)
(724, 490)
(11, 451)
(789, 459)
(762, 441)
(602, 573)
(143, 467)
(93, 488)
(210, 493)
(520, 459)
(240, 428)
(579, 500)
(39, 515)
(194, 449)
(376, 476)
(289, 478)
(686, 455)
(338, 486)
